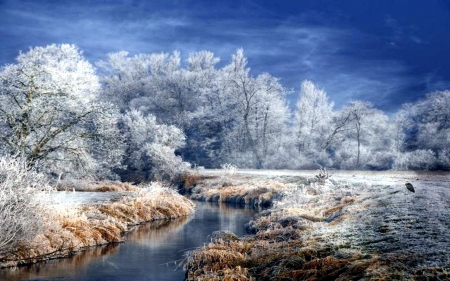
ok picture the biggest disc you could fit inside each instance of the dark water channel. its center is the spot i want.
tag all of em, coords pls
(152, 251)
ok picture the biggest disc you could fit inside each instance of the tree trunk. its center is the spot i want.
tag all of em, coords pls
(252, 144)
(358, 139)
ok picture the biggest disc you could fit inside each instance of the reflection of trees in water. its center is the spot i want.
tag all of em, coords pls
(61, 267)
(230, 214)
(228, 208)
(155, 233)
(219, 216)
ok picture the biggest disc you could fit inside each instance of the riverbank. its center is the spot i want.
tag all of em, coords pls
(359, 227)
(70, 229)
(259, 192)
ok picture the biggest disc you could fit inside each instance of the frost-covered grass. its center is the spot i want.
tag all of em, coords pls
(72, 228)
(348, 229)
(239, 190)
(95, 186)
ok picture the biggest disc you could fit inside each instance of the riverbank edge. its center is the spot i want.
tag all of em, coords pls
(277, 248)
(76, 229)
(256, 192)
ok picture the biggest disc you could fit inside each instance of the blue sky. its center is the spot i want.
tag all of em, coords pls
(387, 52)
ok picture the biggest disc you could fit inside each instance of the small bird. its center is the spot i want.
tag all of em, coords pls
(409, 186)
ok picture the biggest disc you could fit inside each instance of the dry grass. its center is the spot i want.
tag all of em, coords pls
(226, 259)
(96, 186)
(189, 180)
(150, 203)
(327, 230)
(241, 190)
(72, 229)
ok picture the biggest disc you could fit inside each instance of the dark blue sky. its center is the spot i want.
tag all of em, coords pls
(384, 51)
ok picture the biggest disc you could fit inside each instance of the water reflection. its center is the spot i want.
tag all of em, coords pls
(151, 252)
(156, 234)
(69, 266)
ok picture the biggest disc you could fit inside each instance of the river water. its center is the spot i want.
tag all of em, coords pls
(152, 251)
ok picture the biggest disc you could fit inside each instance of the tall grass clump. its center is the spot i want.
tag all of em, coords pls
(239, 189)
(22, 201)
(152, 202)
(92, 185)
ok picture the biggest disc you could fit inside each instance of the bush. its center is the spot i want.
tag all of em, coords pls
(151, 147)
(415, 160)
(444, 159)
(229, 170)
(21, 203)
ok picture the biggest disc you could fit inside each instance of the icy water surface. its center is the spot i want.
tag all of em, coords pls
(152, 251)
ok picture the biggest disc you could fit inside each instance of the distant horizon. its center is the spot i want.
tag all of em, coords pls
(385, 53)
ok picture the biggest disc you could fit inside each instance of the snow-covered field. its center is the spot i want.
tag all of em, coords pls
(371, 177)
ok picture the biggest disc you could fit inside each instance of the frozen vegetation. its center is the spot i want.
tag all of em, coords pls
(36, 226)
(353, 226)
(148, 116)
(66, 125)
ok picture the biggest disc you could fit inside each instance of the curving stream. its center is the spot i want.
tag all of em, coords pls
(152, 251)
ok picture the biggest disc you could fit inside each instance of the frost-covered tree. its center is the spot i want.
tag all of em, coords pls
(182, 95)
(363, 137)
(158, 84)
(424, 131)
(50, 113)
(150, 151)
(180, 92)
(125, 78)
(259, 114)
(225, 114)
(313, 123)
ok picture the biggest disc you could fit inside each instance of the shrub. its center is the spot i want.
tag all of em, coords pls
(22, 198)
(229, 170)
(415, 160)
(444, 159)
(150, 152)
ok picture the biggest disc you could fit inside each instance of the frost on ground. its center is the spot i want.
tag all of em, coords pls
(382, 219)
(351, 226)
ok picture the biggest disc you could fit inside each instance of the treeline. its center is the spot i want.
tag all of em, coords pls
(147, 115)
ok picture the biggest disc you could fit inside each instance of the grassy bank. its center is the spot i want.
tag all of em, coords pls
(238, 189)
(329, 230)
(95, 186)
(70, 229)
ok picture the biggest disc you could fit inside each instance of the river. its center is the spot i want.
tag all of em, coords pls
(151, 252)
